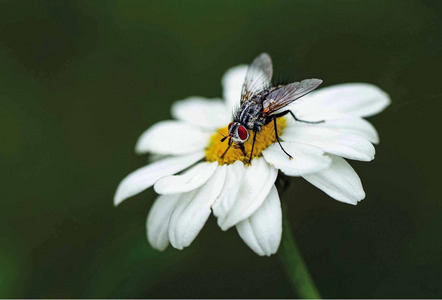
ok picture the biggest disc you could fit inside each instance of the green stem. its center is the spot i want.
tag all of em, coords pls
(293, 263)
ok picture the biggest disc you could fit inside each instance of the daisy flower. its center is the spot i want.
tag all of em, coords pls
(195, 176)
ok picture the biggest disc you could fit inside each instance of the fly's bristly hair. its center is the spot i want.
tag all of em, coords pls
(235, 111)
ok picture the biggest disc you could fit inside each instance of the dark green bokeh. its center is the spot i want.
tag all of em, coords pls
(81, 80)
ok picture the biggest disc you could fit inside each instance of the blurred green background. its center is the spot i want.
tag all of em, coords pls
(81, 80)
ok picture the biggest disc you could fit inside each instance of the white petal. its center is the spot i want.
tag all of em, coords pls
(208, 113)
(254, 188)
(356, 99)
(353, 125)
(232, 82)
(172, 137)
(193, 209)
(339, 181)
(157, 224)
(306, 159)
(186, 182)
(262, 231)
(339, 122)
(229, 193)
(346, 145)
(145, 177)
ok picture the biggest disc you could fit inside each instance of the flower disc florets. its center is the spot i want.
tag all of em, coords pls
(264, 139)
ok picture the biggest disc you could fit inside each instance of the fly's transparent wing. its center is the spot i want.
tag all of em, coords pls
(258, 77)
(287, 94)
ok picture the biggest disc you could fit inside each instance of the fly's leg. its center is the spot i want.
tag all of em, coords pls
(228, 147)
(241, 146)
(253, 145)
(277, 138)
(296, 119)
(308, 122)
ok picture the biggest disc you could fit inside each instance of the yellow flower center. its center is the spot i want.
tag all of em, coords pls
(264, 139)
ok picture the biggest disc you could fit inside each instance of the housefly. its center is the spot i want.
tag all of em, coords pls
(261, 103)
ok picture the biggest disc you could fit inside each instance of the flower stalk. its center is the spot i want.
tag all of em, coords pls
(290, 256)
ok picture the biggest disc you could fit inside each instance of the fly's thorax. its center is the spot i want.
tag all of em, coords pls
(250, 114)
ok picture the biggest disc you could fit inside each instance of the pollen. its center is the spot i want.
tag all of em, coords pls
(264, 139)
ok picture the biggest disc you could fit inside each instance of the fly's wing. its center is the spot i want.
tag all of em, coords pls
(285, 95)
(258, 76)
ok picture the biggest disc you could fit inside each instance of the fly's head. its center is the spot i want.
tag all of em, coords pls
(238, 133)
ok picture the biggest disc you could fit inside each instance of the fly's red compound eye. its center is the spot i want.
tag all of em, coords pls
(230, 125)
(243, 133)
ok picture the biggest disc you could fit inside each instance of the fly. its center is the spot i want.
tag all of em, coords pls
(262, 103)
